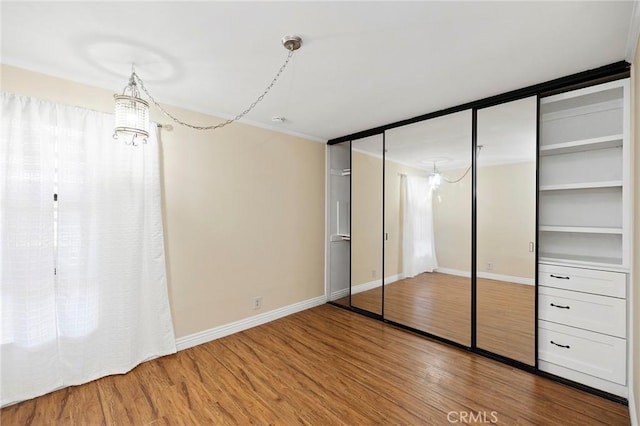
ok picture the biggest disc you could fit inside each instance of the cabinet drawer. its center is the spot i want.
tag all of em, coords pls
(601, 314)
(585, 280)
(585, 351)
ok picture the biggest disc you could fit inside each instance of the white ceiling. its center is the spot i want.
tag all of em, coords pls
(362, 65)
(506, 134)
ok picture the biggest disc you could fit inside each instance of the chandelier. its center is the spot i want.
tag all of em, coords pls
(132, 112)
(436, 178)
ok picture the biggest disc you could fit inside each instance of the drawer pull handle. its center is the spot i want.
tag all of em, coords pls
(562, 346)
(560, 277)
(560, 306)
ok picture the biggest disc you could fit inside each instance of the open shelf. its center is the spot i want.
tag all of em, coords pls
(598, 262)
(581, 229)
(583, 185)
(588, 96)
(611, 141)
(583, 216)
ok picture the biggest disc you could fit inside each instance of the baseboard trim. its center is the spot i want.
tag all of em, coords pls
(488, 275)
(456, 272)
(373, 284)
(246, 323)
(339, 294)
(506, 278)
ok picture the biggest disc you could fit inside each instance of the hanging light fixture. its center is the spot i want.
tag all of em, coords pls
(132, 112)
(435, 178)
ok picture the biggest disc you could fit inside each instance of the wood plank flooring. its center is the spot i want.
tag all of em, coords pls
(323, 366)
(437, 303)
(506, 322)
(440, 304)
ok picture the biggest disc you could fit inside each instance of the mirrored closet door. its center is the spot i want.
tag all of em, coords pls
(427, 225)
(506, 229)
(366, 223)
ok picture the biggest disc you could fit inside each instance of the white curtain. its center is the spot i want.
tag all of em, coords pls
(418, 240)
(106, 308)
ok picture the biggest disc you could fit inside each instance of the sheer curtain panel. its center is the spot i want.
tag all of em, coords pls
(418, 239)
(106, 307)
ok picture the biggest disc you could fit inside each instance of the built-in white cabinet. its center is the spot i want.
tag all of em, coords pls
(584, 176)
(547, 227)
(584, 240)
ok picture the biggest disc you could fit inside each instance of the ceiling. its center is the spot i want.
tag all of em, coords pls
(362, 64)
(506, 135)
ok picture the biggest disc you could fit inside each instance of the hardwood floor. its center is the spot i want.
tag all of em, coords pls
(506, 322)
(370, 300)
(437, 303)
(323, 366)
(440, 304)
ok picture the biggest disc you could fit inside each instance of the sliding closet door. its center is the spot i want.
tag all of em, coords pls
(427, 216)
(506, 229)
(366, 223)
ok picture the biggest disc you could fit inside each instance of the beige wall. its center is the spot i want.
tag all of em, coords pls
(452, 221)
(635, 302)
(506, 219)
(506, 196)
(366, 220)
(244, 210)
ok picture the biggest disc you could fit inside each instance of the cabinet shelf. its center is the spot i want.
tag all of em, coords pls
(581, 229)
(598, 262)
(583, 216)
(582, 185)
(611, 141)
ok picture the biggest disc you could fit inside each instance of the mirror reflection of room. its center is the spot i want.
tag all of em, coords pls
(427, 250)
(506, 229)
(366, 223)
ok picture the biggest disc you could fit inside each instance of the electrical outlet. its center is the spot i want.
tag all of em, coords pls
(373, 273)
(257, 303)
(489, 266)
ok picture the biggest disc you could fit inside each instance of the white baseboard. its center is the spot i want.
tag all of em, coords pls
(339, 294)
(373, 284)
(365, 286)
(633, 409)
(506, 278)
(455, 272)
(488, 275)
(246, 323)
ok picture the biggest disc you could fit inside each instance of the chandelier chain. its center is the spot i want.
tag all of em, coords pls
(479, 148)
(224, 123)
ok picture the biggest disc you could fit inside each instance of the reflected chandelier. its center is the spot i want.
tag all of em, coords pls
(436, 178)
(132, 112)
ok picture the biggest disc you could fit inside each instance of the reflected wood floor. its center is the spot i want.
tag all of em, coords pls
(323, 366)
(506, 322)
(437, 303)
(440, 304)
